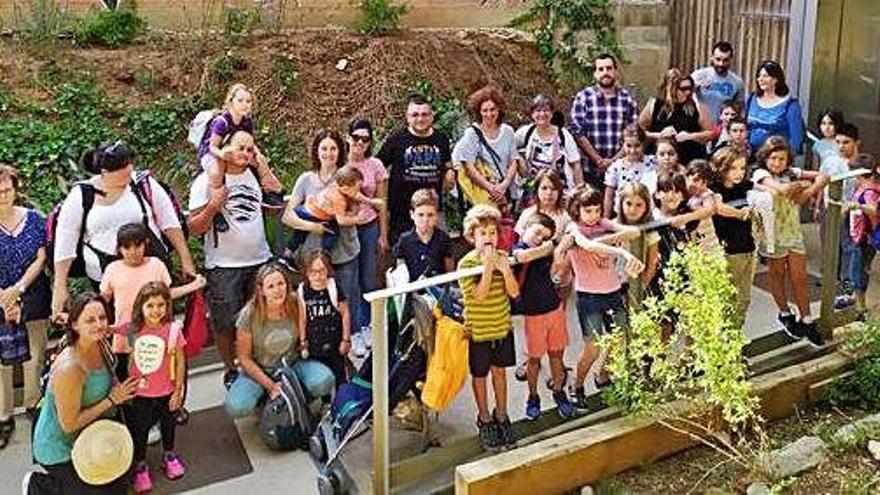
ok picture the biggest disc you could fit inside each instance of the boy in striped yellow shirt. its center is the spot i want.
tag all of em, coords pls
(487, 318)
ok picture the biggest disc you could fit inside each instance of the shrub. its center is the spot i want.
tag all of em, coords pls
(861, 388)
(380, 17)
(109, 28)
(239, 24)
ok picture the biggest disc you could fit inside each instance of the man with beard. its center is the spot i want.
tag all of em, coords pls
(598, 115)
(716, 83)
(417, 157)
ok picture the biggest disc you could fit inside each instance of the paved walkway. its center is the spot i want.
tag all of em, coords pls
(281, 473)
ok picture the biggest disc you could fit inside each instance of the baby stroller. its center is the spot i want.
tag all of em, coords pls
(352, 406)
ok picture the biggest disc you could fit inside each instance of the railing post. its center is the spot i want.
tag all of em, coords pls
(381, 458)
(830, 257)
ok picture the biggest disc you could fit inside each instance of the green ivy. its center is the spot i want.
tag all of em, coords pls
(380, 17)
(109, 28)
(286, 70)
(557, 26)
(288, 153)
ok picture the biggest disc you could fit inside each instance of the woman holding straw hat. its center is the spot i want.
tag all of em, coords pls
(81, 392)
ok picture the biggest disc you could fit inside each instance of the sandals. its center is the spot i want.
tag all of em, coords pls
(6, 429)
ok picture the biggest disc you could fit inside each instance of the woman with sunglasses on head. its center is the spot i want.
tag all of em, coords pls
(95, 209)
(772, 111)
(675, 114)
(373, 228)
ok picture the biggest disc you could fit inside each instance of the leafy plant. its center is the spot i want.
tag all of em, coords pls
(559, 26)
(145, 79)
(288, 152)
(380, 17)
(700, 361)
(286, 70)
(860, 389)
(223, 69)
(239, 24)
(47, 19)
(109, 28)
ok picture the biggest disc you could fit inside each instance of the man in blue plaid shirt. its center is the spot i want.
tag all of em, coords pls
(598, 115)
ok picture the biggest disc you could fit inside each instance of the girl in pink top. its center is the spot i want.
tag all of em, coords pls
(158, 362)
(596, 280)
(123, 279)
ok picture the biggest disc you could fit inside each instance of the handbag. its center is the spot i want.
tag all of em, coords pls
(195, 324)
(472, 192)
(35, 302)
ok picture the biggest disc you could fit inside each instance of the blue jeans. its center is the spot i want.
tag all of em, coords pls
(346, 275)
(245, 392)
(859, 265)
(298, 237)
(368, 237)
(599, 313)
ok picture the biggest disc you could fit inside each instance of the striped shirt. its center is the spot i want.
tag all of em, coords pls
(487, 318)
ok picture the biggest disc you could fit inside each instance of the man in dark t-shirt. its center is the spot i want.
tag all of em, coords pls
(417, 157)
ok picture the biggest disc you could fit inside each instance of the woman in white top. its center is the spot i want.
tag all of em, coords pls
(546, 143)
(491, 142)
(112, 197)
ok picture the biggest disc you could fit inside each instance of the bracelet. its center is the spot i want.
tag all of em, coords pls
(112, 402)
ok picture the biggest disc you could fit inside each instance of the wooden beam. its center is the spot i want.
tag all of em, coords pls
(582, 457)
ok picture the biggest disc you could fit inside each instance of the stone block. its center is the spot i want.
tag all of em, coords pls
(846, 434)
(801, 455)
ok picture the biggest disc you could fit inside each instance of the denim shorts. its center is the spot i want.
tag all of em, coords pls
(599, 313)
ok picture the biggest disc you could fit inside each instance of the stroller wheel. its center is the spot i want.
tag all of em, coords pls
(328, 484)
(317, 447)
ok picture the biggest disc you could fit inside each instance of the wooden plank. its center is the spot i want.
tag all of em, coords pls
(381, 453)
(584, 456)
(816, 390)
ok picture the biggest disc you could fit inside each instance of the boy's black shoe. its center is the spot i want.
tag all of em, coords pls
(811, 332)
(489, 436)
(580, 399)
(506, 437)
(790, 325)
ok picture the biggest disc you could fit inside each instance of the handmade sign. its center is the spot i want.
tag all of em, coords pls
(149, 350)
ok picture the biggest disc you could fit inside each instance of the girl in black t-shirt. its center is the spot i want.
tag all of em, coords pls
(733, 223)
(324, 331)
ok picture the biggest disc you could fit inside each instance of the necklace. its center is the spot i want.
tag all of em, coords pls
(328, 179)
(5, 222)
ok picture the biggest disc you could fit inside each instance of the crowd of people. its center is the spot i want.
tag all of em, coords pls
(587, 210)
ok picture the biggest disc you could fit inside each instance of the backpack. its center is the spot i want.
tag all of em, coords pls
(200, 126)
(286, 422)
(448, 365)
(78, 267)
(141, 186)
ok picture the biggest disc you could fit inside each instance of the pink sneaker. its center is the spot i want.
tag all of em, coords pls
(142, 481)
(173, 465)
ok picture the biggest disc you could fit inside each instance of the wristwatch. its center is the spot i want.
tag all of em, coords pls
(20, 288)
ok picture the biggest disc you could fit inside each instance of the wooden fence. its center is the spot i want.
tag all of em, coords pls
(758, 30)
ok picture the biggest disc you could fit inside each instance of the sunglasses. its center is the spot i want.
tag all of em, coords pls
(685, 88)
(361, 139)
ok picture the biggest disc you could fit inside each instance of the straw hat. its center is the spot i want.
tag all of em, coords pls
(102, 452)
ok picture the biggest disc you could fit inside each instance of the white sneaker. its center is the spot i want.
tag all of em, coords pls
(154, 435)
(358, 346)
(367, 337)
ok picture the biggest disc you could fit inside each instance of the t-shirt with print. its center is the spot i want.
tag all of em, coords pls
(244, 243)
(423, 259)
(537, 292)
(713, 89)
(414, 162)
(735, 234)
(487, 318)
(346, 247)
(270, 342)
(541, 154)
(323, 320)
(787, 215)
(222, 125)
(123, 282)
(622, 172)
(374, 173)
(594, 273)
(157, 383)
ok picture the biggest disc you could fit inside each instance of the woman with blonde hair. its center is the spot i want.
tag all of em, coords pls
(674, 113)
(266, 345)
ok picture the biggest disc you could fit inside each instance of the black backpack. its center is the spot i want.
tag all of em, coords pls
(142, 188)
(286, 422)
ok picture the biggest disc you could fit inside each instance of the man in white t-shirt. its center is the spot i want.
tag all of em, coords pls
(716, 83)
(235, 246)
